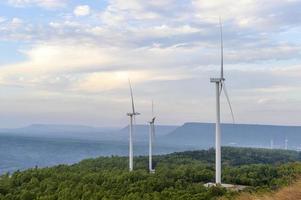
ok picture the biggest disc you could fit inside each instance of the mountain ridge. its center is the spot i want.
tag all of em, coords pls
(246, 135)
(195, 134)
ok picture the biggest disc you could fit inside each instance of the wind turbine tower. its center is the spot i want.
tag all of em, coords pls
(131, 129)
(151, 138)
(286, 144)
(272, 144)
(219, 87)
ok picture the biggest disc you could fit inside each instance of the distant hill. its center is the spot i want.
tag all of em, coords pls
(195, 135)
(203, 135)
(87, 132)
(141, 132)
(60, 128)
(61, 131)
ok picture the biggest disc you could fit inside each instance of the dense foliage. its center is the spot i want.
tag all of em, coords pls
(178, 176)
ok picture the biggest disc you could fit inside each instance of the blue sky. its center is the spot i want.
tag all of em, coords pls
(64, 61)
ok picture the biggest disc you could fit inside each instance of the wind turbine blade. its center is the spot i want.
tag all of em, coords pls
(222, 48)
(132, 98)
(229, 103)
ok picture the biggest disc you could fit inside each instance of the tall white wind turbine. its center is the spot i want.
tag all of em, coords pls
(131, 129)
(272, 144)
(286, 144)
(220, 86)
(151, 139)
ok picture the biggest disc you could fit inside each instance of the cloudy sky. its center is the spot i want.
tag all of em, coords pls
(68, 61)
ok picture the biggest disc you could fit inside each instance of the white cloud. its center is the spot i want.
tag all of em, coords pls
(82, 67)
(12, 26)
(16, 22)
(82, 10)
(106, 81)
(164, 31)
(2, 19)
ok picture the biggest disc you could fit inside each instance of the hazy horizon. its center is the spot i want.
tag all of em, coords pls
(116, 127)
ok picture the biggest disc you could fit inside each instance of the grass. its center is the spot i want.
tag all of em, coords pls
(292, 192)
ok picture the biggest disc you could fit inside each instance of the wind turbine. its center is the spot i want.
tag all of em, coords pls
(220, 86)
(151, 137)
(286, 144)
(131, 128)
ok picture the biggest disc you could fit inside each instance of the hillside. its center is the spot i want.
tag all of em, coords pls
(245, 135)
(178, 176)
(292, 192)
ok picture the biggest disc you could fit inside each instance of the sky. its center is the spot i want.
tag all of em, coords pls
(68, 61)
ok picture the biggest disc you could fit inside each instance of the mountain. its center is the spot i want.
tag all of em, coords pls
(87, 132)
(62, 131)
(141, 132)
(195, 135)
(203, 135)
(60, 128)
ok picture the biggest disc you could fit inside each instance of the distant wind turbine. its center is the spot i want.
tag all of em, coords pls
(272, 144)
(151, 138)
(220, 86)
(131, 128)
(286, 144)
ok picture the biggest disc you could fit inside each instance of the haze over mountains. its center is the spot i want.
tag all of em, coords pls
(197, 135)
(48, 145)
(61, 131)
(244, 135)
(87, 132)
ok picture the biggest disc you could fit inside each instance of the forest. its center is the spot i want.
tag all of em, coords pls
(179, 176)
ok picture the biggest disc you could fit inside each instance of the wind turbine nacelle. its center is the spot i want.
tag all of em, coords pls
(217, 80)
(132, 114)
